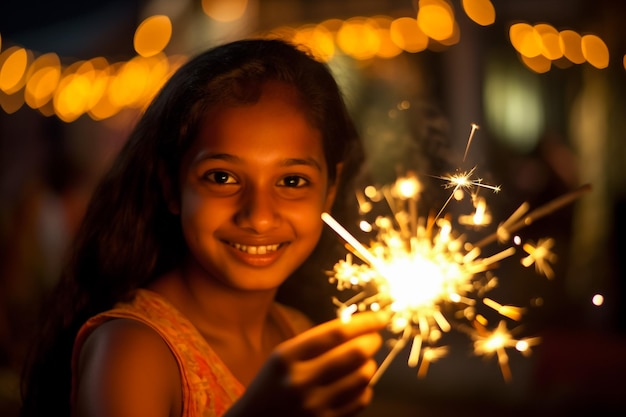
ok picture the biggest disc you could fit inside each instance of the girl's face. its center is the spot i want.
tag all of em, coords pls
(253, 187)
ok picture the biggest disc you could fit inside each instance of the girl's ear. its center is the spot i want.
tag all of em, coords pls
(169, 190)
(331, 192)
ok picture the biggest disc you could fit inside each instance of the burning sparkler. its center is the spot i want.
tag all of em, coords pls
(429, 278)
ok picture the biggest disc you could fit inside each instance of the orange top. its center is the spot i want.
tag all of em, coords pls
(208, 386)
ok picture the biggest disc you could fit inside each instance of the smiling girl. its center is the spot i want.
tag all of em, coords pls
(168, 304)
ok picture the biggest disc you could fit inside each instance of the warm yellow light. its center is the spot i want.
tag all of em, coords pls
(11, 103)
(104, 108)
(13, 69)
(358, 37)
(160, 70)
(332, 25)
(436, 19)
(224, 10)
(42, 79)
(407, 187)
(550, 42)
(624, 61)
(595, 51)
(387, 47)
(129, 83)
(597, 299)
(41, 86)
(525, 39)
(317, 39)
(406, 33)
(540, 64)
(452, 39)
(570, 42)
(480, 11)
(70, 98)
(370, 191)
(152, 35)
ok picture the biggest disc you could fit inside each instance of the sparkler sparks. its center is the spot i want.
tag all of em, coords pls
(429, 278)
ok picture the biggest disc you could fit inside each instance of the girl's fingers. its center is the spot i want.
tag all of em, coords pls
(329, 335)
(344, 396)
(337, 362)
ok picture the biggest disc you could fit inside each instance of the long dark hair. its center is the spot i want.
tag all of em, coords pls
(128, 237)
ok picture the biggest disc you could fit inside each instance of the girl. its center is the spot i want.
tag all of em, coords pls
(167, 307)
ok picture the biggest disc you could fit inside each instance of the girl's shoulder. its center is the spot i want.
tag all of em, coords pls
(123, 367)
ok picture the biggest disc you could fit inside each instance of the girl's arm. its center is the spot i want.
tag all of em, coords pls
(324, 371)
(127, 370)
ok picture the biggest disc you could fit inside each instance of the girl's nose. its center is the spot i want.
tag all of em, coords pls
(258, 211)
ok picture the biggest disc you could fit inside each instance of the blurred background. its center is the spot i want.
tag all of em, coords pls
(544, 80)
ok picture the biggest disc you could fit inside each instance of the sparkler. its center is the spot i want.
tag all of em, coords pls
(429, 278)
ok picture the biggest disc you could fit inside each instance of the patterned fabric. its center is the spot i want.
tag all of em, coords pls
(208, 386)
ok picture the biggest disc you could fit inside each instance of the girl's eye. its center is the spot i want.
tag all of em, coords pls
(293, 181)
(220, 177)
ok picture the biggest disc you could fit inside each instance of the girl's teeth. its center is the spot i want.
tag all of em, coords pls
(256, 250)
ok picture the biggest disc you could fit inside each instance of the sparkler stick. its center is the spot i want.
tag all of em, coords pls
(361, 250)
(540, 212)
(469, 140)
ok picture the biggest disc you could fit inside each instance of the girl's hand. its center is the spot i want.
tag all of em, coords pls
(324, 371)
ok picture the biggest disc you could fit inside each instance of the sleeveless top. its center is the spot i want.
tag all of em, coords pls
(208, 386)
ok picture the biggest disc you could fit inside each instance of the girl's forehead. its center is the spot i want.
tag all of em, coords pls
(275, 124)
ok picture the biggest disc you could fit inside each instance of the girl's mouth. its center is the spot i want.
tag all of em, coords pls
(256, 250)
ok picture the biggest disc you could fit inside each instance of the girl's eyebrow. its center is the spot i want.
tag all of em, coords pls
(203, 156)
(289, 162)
(302, 161)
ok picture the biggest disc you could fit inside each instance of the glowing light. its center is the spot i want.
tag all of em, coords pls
(595, 51)
(525, 39)
(406, 33)
(541, 256)
(430, 279)
(436, 19)
(130, 82)
(462, 181)
(152, 35)
(540, 64)
(224, 10)
(358, 37)
(480, 11)
(475, 127)
(318, 39)
(550, 42)
(45, 73)
(13, 67)
(570, 42)
(387, 47)
(70, 99)
(597, 299)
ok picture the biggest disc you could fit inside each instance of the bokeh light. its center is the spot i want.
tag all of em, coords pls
(224, 10)
(571, 45)
(13, 65)
(40, 81)
(481, 12)
(407, 35)
(436, 19)
(152, 35)
(595, 51)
